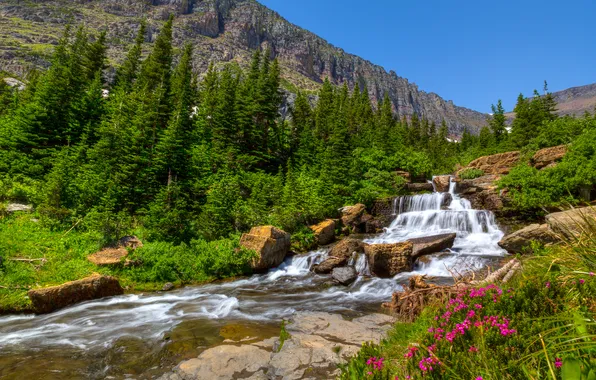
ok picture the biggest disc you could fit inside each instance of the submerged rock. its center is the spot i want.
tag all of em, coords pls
(271, 244)
(521, 240)
(47, 300)
(387, 260)
(431, 244)
(324, 232)
(344, 275)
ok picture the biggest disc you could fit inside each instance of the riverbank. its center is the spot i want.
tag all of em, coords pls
(539, 325)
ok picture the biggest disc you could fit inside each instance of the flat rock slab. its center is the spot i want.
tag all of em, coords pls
(432, 244)
(318, 342)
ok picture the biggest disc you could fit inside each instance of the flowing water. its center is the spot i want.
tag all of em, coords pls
(143, 335)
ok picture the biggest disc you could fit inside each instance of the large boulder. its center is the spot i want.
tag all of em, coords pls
(387, 260)
(324, 232)
(521, 240)
(351, 215)
(47, 300)
(344, 275)
(346, 248)
(573, 223)
(431, 244)
(339, 255)
(419, 187)
(271, 244)
(548, 157)
(442, 183)
(496, 164)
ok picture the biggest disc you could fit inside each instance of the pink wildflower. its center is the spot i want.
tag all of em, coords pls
(581, 281)
(591, 274)
(478, 306)
(479, 378)
(473, 349)
(547, 284)
(558, 362)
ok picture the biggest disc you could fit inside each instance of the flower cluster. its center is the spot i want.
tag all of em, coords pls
(376, 364)
(426, 364)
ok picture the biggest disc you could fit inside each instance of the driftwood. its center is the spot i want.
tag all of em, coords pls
(40, 261)
(408, 303)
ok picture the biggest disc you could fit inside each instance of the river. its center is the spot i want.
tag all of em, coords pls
(140, 336)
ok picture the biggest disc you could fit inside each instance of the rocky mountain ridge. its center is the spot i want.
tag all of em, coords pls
(221, 31)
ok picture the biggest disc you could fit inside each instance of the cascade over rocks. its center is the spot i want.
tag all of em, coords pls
(441, 183)
(271, 244)
(520, 241)
(387, 260)
(324, 232)
(50, 299)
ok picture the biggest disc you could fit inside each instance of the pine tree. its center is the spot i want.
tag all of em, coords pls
(498, 122)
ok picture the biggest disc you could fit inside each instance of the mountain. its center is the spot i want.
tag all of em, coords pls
(576, 100)
(572, 101)
(221, 31)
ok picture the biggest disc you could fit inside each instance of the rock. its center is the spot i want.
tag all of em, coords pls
(482, 192)
(115, 255)
(387, 260)
(47, 300)
(496, 164)
(346, 248)
(225, 363)
(108, 256)
(548, 157)
(447, 198)
(271, 244)
(572, 223)
(442, 183)
(431, 244)
(403, 174)
(520, 241)
(167, 287)
(328, 265)
(131, 242)
(324, 232)
(14, 207)
(419, 187)
(350, 215)
(344, 275)
(15, 83)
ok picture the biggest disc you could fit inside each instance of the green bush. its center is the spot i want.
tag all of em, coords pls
(471, 173)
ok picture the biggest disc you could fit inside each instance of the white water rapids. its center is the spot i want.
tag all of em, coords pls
(95, 326)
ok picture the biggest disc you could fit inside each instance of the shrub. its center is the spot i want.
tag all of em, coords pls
(471, 173)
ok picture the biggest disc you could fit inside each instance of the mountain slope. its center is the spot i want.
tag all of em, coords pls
(222, 31)
(576, 100)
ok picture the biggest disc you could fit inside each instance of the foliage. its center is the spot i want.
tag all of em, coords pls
(470, 173)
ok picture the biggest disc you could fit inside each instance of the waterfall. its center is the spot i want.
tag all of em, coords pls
(428, 214)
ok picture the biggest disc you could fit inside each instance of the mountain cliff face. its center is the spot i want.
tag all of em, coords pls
(221, 31)
(576, 100)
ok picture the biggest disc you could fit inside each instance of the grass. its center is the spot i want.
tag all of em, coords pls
(543, 326)
(64, 252)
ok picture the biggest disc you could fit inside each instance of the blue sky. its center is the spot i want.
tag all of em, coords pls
(472, 52)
